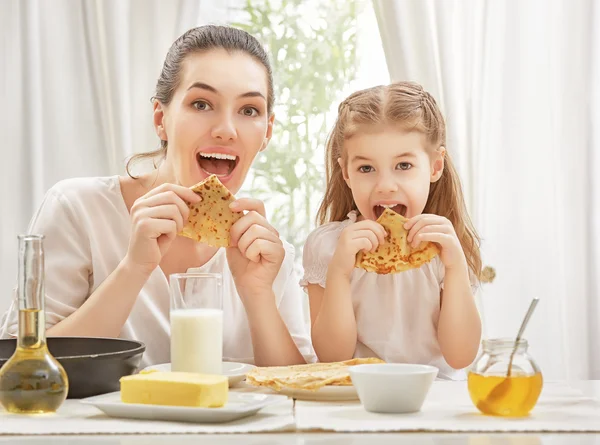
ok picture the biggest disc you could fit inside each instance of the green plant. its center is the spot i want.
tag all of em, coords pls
(312, 45)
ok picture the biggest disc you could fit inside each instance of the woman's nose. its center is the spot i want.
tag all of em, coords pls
(224, 128)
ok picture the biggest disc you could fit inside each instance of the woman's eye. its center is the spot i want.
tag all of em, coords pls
(404, 166)
(365, 169)
(200, 105)
(250, 111)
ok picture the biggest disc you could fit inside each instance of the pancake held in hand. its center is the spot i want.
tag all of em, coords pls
(211, 219)
(312, 376)
(396, 254)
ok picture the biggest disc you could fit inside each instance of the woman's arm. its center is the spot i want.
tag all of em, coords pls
(106, 310)
(255, 257)
(156, 219)
(271, 341)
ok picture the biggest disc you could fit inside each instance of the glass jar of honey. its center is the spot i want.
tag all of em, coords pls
(505, 380)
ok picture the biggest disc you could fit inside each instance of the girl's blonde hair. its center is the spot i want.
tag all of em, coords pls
(407, 105)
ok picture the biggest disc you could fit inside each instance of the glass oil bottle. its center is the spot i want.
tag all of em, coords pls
(32, 380)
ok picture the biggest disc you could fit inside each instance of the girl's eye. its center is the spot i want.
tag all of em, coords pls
(365, 169)
(404, 166)
(200, 105)
(250, 111)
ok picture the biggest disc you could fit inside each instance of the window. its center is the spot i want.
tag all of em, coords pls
(321, 51)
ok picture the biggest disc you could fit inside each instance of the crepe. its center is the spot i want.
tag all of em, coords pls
(211, 219)
(311, 377)
(395, 254)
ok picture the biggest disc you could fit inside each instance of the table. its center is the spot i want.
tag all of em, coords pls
(590, 388)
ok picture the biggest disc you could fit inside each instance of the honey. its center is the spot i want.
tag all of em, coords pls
(520, 395)
(505, 380)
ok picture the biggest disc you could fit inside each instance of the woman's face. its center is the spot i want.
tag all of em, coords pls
(217, 121)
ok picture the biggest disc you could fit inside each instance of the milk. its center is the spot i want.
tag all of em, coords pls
(197, 340)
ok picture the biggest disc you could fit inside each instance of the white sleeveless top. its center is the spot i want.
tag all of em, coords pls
(87, 229)
(396, 314)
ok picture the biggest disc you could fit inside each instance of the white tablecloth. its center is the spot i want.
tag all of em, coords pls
(74, 417)
(449, 408)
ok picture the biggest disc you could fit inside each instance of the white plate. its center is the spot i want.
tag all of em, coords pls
(238, 406)
(235, 372)
(327, 393)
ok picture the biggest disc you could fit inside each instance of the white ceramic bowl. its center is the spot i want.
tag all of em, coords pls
(392, 388)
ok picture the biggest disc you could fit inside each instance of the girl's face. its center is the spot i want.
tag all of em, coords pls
(390, 168)
(217, 121)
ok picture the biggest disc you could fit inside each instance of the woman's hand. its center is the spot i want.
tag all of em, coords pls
(256, 253)
(439, 230)
(156, 218)
(363, 236)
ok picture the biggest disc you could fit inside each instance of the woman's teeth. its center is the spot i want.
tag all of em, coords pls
(219, 164)
(218, 156)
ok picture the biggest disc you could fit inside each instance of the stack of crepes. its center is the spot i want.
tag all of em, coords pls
(312, 377)
(395, 254)
(211, 219)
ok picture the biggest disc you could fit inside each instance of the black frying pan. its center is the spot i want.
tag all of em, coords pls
(93, 365)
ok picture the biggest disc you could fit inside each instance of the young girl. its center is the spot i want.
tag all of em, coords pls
(387, 149)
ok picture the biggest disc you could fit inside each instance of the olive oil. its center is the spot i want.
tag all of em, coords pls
(32, 380)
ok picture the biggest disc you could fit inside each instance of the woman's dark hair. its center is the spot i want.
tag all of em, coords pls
(197, 40)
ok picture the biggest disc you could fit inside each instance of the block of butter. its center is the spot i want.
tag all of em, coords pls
(175, 389)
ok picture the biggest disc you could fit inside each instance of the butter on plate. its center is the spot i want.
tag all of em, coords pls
(175, 389)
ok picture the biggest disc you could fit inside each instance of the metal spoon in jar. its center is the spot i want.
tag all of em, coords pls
(502, 389)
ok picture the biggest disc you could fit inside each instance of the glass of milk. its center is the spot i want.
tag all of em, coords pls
(196, 323)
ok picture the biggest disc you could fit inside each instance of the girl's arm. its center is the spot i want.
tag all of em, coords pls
(332, 316)
(334, 333)
(459, 326)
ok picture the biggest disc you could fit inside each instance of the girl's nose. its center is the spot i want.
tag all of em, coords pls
(386, 183)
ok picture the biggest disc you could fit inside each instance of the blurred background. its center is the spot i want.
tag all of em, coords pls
(518, 82)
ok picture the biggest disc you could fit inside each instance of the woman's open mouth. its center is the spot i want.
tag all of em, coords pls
(218, 164)
(398, 208)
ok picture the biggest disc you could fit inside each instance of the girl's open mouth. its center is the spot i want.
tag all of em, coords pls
(398, 208)
(218, 164)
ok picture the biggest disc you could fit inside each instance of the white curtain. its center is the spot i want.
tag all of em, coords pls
(76, 79)
(594, 197)
(515, 80)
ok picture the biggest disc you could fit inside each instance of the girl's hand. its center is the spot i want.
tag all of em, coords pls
(156, 218)
(439, 230)
(256, 253)
(364, 235)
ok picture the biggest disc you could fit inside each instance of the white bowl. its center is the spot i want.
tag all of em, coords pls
(392, 388)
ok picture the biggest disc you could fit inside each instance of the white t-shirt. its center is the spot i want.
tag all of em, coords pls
(87, 230)
(396, 314)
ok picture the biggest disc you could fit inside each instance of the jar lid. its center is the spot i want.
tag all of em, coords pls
(502, 344)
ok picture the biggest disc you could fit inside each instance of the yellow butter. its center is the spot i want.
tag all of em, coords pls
(175, 389)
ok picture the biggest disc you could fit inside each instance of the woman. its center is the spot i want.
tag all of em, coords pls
(111, 242)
